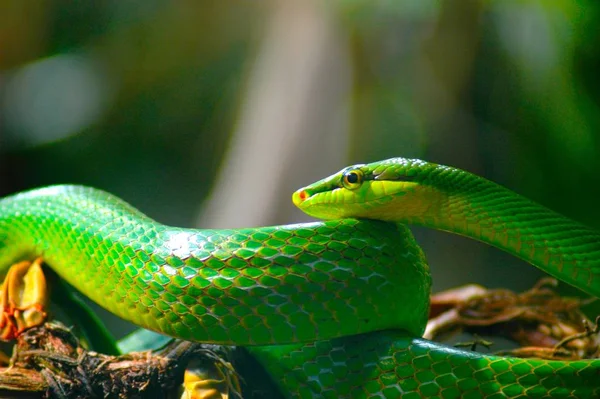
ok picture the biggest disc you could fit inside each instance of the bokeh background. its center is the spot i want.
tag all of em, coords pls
(210, 113)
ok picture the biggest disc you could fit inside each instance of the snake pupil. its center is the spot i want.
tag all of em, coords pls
(352, 177)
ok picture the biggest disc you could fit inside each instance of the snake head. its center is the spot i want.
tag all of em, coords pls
(369, 191)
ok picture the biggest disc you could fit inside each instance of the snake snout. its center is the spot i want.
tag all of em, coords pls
(300, 196)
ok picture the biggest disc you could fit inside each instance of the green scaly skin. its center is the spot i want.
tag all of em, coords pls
(302, 289)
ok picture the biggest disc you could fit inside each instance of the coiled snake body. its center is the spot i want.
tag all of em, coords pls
(331, 309)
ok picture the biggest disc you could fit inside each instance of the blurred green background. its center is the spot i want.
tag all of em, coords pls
(210, 113)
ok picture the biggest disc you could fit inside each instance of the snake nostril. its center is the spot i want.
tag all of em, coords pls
(303, 195)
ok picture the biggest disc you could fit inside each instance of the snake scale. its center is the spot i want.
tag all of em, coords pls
(332, 309)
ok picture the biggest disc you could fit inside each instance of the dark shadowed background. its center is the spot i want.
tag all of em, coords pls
(210, 113)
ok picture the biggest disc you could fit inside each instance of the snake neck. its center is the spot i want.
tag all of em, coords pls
(465, 204)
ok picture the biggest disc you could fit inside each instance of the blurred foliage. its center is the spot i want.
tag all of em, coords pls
(141, 98)
(170, 71)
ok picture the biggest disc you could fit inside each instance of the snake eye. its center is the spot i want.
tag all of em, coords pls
(352, 179)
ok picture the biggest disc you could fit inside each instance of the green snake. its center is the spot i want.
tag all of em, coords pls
(331, 309)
